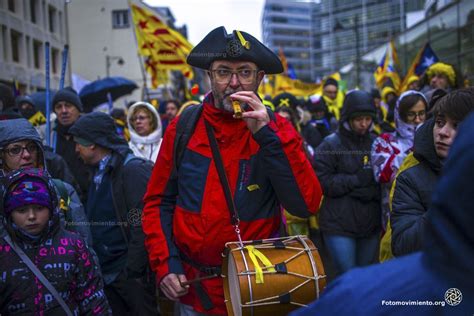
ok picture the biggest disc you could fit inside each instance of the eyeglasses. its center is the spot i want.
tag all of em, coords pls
(223, 76)
(140, 118)
(17, 150)
(412, 115)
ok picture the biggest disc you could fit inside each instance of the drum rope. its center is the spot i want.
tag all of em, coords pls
(264, 301)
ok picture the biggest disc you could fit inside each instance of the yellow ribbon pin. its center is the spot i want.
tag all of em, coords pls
(253, 187)
(243, 41)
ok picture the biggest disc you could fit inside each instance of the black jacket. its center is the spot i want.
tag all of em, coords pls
(65, 146)
(58, 168)
(350, 208)
(129, 183)
(129, 178)
(311, 135)
(412, 195)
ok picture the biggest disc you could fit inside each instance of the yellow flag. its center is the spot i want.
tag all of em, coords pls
(296, 87)
(387, 68)
(37, 119)
(165, 48)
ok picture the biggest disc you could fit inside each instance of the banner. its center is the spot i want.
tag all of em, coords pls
(296, 87)
(164, 48)
(423, 59)
(387, 68)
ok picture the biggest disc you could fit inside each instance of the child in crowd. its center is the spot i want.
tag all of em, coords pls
(33, 245)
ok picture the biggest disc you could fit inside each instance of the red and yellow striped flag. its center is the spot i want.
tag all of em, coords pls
(164, 48)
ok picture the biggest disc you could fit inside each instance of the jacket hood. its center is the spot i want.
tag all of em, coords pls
(405, 130)
(99, 128)
(357, 101)
(154, 136)
(449, 235)
(424, 146)
(14, 177)
(16, 130)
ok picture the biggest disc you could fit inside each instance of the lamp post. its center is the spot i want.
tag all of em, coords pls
(355, 28)
(108, 62)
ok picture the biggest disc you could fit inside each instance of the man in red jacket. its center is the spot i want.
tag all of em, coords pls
(186, 218)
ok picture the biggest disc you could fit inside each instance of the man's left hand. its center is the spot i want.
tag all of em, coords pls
(257, 118)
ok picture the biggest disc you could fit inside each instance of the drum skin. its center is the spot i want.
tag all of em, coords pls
(275, 284)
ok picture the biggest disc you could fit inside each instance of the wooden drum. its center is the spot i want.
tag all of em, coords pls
(271, 276)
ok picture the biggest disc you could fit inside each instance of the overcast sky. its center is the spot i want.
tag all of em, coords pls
(205, 15)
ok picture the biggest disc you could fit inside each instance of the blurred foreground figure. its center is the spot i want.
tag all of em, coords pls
(434, 281)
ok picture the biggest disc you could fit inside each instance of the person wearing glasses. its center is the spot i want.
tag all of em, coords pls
(414, 186)
(390, 149)
(145, 128)
(21, 148)
(187, 220)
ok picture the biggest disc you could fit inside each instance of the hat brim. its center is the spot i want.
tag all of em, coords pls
(218, 45)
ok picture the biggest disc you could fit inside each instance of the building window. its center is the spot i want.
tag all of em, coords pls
(15, 40)
(11, 5)
(120, 19)
(33, 10)
(37, 54)
(54, 60)
(60, 18)
(5, 42)
(28, 51)
(52, 18)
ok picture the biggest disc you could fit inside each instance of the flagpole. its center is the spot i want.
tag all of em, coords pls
(140, 58)
(63, 66)
(48, 104)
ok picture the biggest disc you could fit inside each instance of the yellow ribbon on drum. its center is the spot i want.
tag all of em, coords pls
(254, 254)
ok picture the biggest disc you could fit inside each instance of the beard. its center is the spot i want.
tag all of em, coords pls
(222, 100)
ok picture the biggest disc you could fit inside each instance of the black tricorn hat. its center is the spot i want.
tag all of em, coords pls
(218, 45)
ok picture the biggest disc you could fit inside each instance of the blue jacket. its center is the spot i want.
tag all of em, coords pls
(446, 261)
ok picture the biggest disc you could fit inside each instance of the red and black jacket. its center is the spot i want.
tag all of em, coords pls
(188, 213)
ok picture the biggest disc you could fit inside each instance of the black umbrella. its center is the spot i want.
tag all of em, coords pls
(96, 92)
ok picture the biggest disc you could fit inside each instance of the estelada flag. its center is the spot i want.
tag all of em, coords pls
(387, 68)
(163, 47)
(423, 59)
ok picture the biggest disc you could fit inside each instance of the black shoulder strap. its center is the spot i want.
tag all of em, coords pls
(184, 129)
(271, 114)
(222, 175)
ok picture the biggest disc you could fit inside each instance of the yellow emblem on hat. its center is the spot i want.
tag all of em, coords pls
(243, 41)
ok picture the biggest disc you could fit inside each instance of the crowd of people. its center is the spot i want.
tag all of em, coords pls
(125, 207)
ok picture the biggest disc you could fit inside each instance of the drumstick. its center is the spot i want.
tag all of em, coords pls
(237, 109)
(183, 284)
